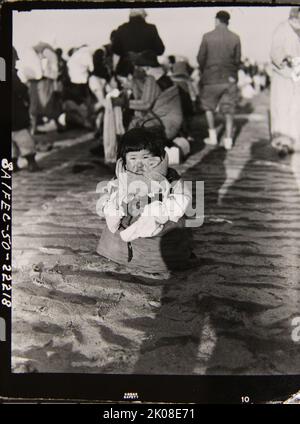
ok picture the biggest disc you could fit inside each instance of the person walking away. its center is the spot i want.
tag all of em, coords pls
(285, 85)
(135, 36)
(219, 58)
(22, 142)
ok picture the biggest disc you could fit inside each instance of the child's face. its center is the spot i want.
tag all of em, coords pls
(141, 161)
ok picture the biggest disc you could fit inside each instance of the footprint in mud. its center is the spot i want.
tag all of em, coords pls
(50, 277)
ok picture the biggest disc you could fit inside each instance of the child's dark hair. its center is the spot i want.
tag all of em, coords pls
(136, 139)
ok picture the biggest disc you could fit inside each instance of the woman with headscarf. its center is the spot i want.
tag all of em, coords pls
(285, 87)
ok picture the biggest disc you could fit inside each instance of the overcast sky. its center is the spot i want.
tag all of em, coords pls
(181, 29)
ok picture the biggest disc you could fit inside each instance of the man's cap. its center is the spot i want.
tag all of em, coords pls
(137, 12)
(146, 58)
(223, 16)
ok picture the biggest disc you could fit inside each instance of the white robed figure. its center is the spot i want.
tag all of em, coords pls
(285, 87)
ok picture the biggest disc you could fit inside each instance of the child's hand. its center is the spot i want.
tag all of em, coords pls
(113, 216)
(136, 206)
(157, 211)
(159, 183)
(150, 164)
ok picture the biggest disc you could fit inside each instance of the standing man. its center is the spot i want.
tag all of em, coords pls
(135, 36)
(219, 58)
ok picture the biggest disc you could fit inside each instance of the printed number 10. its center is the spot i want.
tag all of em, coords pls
(245, 399)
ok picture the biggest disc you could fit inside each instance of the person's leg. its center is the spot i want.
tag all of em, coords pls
(210, 118)
(98, 150)
(26, 147)
(281, 123)
(209, 97)
(228, 139)
(33, 129)
(34, 105)
(32, 165)
(227, 106)
(228, 125)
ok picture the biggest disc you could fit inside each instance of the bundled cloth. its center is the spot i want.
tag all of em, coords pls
(145, 220)
(112, 127)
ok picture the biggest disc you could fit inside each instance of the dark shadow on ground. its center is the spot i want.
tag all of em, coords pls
(253, 309)
(233, 315)
(171, 343)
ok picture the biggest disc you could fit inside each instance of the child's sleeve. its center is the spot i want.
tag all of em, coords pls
(173, 207)
(156, 214)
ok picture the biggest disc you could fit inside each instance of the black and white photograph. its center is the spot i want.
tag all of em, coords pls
(156, 191)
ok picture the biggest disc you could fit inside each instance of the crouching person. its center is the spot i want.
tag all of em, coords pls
(144, 208)
(157, 101)
(22, 142)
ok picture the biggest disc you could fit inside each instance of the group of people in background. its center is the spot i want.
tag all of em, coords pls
(123, 85)
(140, 109)
(253, 78)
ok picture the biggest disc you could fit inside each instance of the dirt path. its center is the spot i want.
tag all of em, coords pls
(231, 315)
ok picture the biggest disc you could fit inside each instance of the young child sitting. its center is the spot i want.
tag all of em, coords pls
(144, 207)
